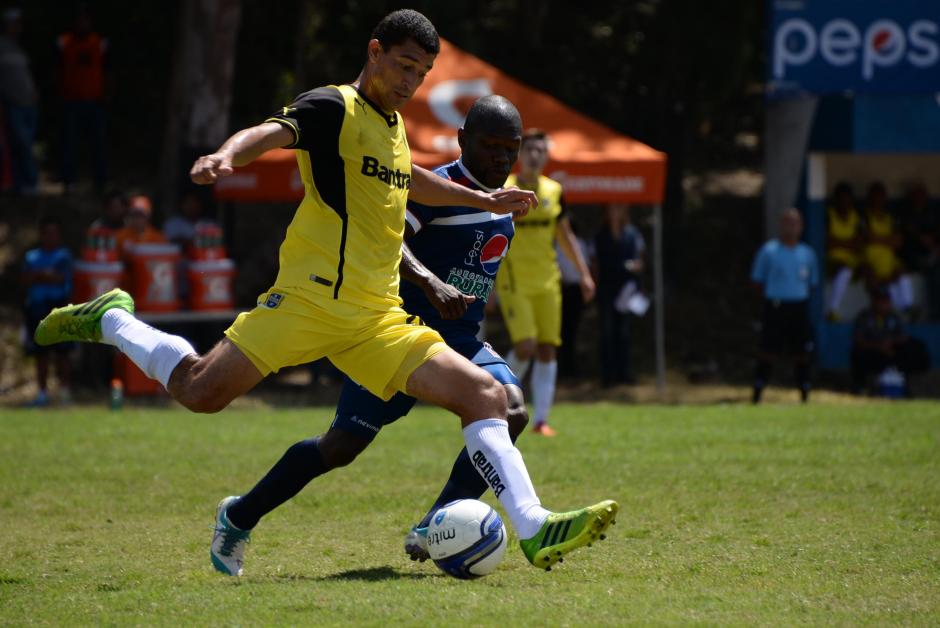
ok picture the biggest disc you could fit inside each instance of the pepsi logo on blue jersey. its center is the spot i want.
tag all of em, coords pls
(463, 247)
(493, 252)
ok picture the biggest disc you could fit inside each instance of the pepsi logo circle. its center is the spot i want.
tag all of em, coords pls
(493, 253)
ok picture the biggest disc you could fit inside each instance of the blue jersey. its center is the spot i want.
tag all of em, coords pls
(43, 294)
(787, 273)
(463, 246)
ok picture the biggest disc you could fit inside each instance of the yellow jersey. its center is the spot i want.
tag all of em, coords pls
(344, 242)
(531, 260)
(843, 232)
(881, 258)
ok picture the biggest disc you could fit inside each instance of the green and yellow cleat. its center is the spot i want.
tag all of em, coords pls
(564, 532)
(80, 322)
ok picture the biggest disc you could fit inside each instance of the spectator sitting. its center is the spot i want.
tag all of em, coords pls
(882, 264)
(879, 341)
(113, 214)
(19, 97)
(47, 276)
(843, 244)
(137, 229)
(181, 228)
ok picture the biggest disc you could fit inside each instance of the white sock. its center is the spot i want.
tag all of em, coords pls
(543, 389)
(839, 284)
(894, 292)
(906, 290)
(902, 293)
(499, 462)
(516, 365)
(156, 353)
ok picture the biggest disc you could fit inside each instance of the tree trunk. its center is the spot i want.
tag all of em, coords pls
(201, 88)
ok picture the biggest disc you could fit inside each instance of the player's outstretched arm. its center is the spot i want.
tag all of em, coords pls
(239, 150)
(450, 302)
(430, 189)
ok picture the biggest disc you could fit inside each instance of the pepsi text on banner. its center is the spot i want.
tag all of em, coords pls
(822, 46)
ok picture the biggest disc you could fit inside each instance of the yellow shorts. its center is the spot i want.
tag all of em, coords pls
(532, 315)
(378, 349)
(882, 261)
(839, 256)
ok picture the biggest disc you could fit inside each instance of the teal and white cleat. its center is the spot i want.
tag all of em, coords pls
(564, 532)
(228, 542)
(416, 544)
(80, 322)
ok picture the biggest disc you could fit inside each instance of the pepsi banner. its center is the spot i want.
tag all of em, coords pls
(862, 46)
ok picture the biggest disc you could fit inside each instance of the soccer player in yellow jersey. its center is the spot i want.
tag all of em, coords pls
(844, 239)
(336, 295)
(529, 281)
(880, 254)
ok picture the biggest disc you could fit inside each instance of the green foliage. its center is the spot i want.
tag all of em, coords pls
(730, 515)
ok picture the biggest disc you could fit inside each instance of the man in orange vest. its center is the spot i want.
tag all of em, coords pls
(137, 229)
(82, 68)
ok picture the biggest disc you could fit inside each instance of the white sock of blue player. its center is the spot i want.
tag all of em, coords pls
(902, 293)
(499, 462)
(839, 285)
(544, 375)
(516, 365)
(156, 353)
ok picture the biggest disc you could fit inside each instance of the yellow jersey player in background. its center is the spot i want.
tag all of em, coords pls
(336, 295)
(529, 281)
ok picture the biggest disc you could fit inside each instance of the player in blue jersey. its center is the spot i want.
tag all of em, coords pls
(459, 249)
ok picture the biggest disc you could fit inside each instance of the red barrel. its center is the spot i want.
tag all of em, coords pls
(210, 285)
(100, 245)
(207, 242)
(153, 277)
(92, 279)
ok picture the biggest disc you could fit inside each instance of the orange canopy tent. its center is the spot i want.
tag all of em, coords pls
(594, 163)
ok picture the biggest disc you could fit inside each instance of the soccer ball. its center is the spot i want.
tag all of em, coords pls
(466, 539)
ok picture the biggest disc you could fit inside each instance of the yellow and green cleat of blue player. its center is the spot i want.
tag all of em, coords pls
(564, 532)
(81, 322)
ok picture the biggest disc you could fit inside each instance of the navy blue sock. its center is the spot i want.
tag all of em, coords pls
(464, 482)
(761, 376)
(802, 380)
(296, 468)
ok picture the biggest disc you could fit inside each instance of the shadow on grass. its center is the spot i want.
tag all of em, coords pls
(370, 574)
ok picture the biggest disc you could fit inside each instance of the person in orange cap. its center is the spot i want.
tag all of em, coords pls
(137, 228)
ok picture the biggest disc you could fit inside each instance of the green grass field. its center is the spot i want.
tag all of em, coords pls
(823, 514)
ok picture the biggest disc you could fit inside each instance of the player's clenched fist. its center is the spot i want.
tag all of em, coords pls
(209, 168)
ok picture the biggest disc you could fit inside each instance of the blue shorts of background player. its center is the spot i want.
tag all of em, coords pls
(363, 414)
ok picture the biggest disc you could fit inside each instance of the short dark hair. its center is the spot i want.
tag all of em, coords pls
(533, 134)
(114, 194)
(399, 26)
(490, 112)
(842, 187)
